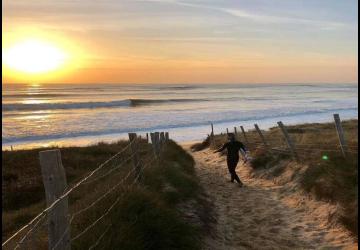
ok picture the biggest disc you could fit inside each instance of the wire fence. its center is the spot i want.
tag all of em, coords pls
(90, 199)
(283, 141)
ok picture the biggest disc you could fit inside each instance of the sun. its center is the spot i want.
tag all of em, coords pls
(34, 56)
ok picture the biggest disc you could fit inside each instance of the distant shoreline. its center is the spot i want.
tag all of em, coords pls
(80, 115)
(187, 83)
(175, 134)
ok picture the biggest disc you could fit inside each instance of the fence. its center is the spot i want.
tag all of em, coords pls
(52, 228)
(296, 151)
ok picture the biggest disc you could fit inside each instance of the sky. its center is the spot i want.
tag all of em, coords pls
(181, 41)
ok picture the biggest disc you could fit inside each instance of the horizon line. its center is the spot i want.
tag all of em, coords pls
(172, 83)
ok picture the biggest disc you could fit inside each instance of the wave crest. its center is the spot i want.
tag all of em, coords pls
(91, 105)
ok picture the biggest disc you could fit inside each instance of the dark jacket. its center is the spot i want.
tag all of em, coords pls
(233, 148)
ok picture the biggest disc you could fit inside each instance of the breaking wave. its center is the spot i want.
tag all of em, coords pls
(92, 105)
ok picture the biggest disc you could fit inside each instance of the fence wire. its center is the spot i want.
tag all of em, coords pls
(109, 166)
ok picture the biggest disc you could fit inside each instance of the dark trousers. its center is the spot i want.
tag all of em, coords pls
(232, 163)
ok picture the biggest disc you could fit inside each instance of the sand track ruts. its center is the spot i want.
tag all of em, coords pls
(256, 216)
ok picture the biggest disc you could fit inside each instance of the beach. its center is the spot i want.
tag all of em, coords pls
(178, 124)
(274, 209)
(265, 214)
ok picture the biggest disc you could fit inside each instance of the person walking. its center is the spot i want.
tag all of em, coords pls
(233, 147)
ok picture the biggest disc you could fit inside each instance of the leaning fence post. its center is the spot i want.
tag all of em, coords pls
(135, 154)
(261, 136)
(235, 132)
(288, 140)
(54, 179)
(340, 133)
(243, 131)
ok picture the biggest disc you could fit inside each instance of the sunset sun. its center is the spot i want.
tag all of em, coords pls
(180, 124)
(34, 56)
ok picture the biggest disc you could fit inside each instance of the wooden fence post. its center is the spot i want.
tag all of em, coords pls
(235, 132)
(167, 136)
(147, 137)
(243, 132)
(162, 138)
(261, 136)
(153, 143)
(288, 140)
(135, 153)
(54, 179)
(157, 143)
(227, 131)
(212, 134)
(340, 134)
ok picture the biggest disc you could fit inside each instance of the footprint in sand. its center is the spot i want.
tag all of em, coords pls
(257, 220)
(274, 230)
(247, 210)
(256, 216)
(297, 228)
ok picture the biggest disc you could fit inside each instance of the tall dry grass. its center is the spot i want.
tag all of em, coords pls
(328, 175)
(146, 215)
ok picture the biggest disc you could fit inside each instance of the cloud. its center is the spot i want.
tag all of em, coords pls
(107, 10)
(277, 19)
(255, 17)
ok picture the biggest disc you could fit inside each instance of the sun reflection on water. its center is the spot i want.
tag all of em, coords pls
(34, 101)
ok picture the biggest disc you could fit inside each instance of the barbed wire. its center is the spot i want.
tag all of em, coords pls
(299, 147)
(109, 226)
(110, 208)
(21, 241)
(88, 207)
(92, 204)
(63, 235)
(107, 230)
(305, 151)
(101, 236)
(105, 194)
(110, 171)
(98, 200)
(96, 221)
(65, 194)
(351, 148)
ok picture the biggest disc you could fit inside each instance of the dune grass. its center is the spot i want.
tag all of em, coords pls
(146, 214)
(327, 176)
(201, 145)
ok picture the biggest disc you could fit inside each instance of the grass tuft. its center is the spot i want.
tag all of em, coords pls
(324, 172)
(201, 145)
(147, 215)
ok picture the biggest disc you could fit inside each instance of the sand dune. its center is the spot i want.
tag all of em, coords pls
(262, 215)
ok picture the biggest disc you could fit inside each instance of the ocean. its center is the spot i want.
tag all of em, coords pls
(81, 114)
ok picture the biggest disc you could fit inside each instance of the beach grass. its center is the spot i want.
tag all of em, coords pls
(326, 174)
(148, 215)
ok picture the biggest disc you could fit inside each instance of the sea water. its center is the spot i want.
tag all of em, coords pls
(81, 114)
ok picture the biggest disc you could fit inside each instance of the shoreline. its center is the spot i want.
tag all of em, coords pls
(182, 135)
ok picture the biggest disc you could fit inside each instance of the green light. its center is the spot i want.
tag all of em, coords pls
(325, 157)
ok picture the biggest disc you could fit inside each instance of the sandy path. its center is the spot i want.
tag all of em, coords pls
(257, 216)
